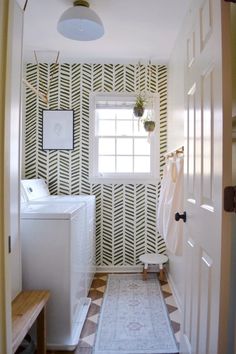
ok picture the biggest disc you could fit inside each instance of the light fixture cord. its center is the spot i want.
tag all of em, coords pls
(150, 82)
(149, 77)
(139, 73)
(139, 89)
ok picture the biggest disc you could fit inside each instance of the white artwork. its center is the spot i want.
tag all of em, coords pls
(58, 130)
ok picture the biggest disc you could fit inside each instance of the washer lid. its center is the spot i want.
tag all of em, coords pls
(74, 198)
(51, 211)
(34, 188)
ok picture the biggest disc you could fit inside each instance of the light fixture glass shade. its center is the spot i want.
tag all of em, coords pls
(80, 23)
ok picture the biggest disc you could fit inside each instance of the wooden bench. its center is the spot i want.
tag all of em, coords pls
(28, 307)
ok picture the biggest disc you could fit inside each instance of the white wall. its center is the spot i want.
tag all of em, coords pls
(175, 131)
(176, 139)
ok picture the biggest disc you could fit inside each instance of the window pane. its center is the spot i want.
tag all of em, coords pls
(141, 164)
(106, 113)
(106, 146)
(106, 164)
(124, 146)
(124, 164)
(124, 114)
(106, 127)
(124, 127)
(141, 147)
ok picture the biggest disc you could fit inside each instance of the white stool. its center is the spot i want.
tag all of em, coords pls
(153, 258)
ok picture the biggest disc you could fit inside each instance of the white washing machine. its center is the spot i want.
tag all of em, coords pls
(36, 191)
(53, 238)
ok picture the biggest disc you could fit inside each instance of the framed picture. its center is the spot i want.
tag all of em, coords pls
(58, 129)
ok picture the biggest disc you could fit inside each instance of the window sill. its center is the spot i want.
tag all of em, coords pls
(124, 180)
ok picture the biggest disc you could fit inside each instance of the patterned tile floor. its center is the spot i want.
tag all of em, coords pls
(96, 293)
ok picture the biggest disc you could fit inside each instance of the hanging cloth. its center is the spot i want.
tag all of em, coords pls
(165, 187)
(173, 230)
(171, 201)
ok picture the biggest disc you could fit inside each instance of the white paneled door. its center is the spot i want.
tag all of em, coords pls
(206, 172)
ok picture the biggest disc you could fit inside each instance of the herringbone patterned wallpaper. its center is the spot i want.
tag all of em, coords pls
(125, 214)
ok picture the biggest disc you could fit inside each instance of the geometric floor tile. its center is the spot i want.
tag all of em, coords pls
(101, 288)
(175, 326)
(89, 340)
(170, 300)
(166, 288)
(94, 318)
(96, 293)
(175, 316)
(98, 302)
(171, 309)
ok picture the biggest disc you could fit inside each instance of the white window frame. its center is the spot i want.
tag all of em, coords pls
(122, 178)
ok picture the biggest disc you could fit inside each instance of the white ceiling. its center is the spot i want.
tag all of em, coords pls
(135, 30)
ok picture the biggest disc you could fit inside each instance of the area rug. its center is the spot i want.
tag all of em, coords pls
(134, 318)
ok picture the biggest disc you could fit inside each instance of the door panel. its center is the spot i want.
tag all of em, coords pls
(205, 22)
(204, 302)
(191, 49)
(204, 178)
(191, 143)
(189, 290)
(207, 138)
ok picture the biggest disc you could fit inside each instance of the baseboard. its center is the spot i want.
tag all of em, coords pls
(174, 292)
(119, 269)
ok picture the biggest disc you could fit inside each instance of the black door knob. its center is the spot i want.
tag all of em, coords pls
(179, 216)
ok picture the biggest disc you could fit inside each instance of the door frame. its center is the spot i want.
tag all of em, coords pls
(6, 26)
(226, 227)
(5, 294)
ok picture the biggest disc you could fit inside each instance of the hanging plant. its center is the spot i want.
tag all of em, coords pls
(149, 125)
(139, 106)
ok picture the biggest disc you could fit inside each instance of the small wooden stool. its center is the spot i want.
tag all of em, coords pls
(153, 258)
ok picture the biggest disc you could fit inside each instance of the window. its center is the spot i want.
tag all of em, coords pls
(120, 149)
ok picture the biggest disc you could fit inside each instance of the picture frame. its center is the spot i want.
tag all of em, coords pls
(58, 130)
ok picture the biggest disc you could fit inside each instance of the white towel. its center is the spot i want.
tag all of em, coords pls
(161, 202)
(169, 173)
(170, 202)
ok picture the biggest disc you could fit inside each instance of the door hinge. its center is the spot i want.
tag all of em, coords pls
(230, 199)
(9, 244)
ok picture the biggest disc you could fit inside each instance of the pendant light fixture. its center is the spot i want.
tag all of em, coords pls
(80, 23)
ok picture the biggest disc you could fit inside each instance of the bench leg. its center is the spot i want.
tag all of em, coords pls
(145, 268)
(161, 272)
(41, 332)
